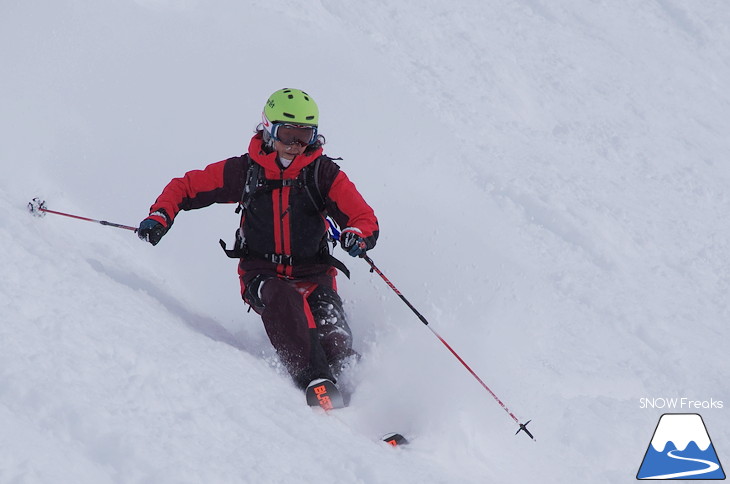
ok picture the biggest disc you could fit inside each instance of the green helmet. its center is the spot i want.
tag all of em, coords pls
(290, 106)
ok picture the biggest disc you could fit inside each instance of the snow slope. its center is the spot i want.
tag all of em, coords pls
(551, 180)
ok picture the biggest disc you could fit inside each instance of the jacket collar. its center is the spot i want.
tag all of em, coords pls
(268, 160)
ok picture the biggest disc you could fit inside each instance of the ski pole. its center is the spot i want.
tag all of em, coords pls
(523, 426)
(38, 207)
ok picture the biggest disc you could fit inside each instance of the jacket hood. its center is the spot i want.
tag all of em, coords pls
(268, 160)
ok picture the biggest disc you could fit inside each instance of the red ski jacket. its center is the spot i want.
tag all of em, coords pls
(282, 222)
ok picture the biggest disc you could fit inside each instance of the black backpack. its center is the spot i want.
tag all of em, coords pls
(307, 179)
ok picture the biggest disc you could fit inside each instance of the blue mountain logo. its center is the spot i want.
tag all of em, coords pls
(681, 449)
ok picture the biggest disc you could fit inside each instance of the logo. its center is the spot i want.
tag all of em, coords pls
(683, 403)
(324, 400)
(680, 449)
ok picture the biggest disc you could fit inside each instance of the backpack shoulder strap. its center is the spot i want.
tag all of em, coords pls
(311, 183)
(312, 177)
(250, 184)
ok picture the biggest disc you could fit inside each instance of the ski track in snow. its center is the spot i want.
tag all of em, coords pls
(551, 183)
(711, 466)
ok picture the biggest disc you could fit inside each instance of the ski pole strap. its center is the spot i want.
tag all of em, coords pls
(333, 230)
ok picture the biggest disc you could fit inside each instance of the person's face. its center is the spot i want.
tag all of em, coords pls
(291, 140)
(288, 152)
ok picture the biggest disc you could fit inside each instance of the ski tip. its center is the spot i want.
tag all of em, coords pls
(394, 439)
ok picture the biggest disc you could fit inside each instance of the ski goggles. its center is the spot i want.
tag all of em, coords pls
(291, 134)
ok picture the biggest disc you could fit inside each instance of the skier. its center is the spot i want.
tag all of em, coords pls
(285, 188)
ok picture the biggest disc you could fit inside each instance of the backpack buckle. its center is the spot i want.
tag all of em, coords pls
(284, 259)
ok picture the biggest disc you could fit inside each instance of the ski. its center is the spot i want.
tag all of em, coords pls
(324, 394)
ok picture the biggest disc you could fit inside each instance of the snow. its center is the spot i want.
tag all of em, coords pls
(551, 181)
(681, 430)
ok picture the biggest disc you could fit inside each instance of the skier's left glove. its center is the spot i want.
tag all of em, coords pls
(353, 242)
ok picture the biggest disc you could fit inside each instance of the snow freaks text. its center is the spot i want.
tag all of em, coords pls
(679, 403)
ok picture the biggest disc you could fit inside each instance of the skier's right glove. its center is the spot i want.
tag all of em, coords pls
(154, 227)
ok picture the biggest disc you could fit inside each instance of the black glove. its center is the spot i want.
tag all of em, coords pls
(152, 228)
(353, 242)
(252, 293)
